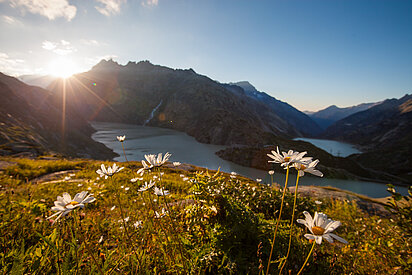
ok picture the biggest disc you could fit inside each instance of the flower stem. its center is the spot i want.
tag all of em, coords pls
(278, 220)
(310, 253)
(126, 230)
(291, 223)
(124, 152)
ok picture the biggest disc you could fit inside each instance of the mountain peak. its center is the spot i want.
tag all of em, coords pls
(106, 65)
(245, 85)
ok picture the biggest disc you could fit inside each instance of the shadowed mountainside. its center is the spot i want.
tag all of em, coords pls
(30, 122)
(384, 132)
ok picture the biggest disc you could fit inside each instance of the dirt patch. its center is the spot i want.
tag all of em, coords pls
(53, 176)
(5, 164)
(369, 205)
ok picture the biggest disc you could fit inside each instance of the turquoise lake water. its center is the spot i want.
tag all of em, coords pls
(141, 140)
(333, 147)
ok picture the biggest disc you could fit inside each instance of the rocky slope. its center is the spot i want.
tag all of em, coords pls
(326, 117)
(384, 132)
(143, 93)
(304, 124)
(31, 122)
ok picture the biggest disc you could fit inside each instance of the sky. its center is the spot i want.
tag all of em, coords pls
(311, 54)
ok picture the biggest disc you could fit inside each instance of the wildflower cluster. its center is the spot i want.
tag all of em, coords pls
(171, 220)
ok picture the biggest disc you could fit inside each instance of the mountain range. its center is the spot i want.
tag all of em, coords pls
(143, 93)
(385, 133)
(234, 114)
(326, 117)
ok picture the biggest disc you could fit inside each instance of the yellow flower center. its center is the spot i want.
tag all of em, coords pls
(318, 230)
(302, 167)
(287, 159)
(73, 203)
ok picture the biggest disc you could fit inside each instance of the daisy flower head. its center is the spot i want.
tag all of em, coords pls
(157, 161)
(285, 159)
(271, 172)
(121, 138)
(109, 171)
(161, 192)
(176, 163)
(321, 227)
(138, 224)
(146, 186)
(146, 167)
(161, 214)
(308, 167)
(65, 204)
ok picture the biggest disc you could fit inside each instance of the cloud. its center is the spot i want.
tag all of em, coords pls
(110, 7)
(12, 66)
(10, 20)
(61, 48)
(150, 3)
(51, 9)
(47, 45)
(90, 42)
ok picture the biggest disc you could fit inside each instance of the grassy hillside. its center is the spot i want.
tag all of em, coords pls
(214, 224)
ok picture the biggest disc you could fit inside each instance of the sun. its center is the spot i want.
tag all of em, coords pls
(62, 67)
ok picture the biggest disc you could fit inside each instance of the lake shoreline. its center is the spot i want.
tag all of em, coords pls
(142, 140)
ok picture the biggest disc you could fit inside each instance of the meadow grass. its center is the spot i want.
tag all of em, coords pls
(214, 224)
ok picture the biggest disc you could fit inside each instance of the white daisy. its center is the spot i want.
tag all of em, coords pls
(176, 163)
(121, 138)
(309, 167)
(65, 204)
(146, 186)
(157, 161)
(161, 192)
(287, 158)
(320, 227)
(110, 171)
(161, 214)
(271, 172)
(138, 224)
(145, 167)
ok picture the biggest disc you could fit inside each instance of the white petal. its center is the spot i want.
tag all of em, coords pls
(57, 218)
(67, 198)
(308, 218)
(309, 236)
(338, 238)
(318, 239)
(79, 197)
(57, 213)
(332, 226)
(328, 238)
(89, 200)
(103, 168)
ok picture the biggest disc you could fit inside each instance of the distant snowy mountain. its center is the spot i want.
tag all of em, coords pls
(326, 117)
(293, 116)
